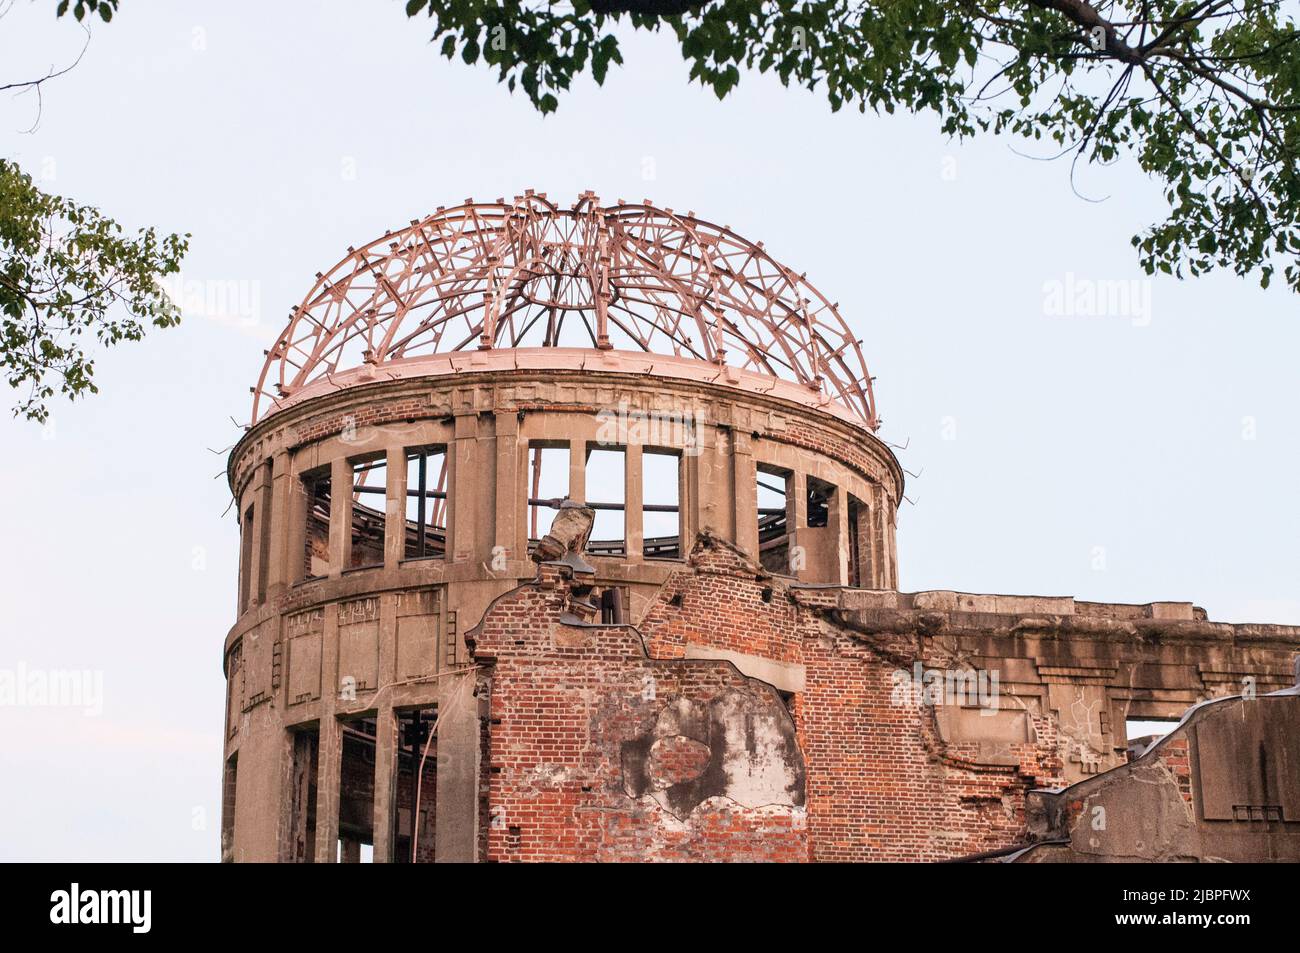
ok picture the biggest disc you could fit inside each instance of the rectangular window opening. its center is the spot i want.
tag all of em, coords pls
(548, 485)
(417, 786)
(357, 792)
(369, 503)
(819, 502)
(426, 503)
(316, 549)
(605, 480)
(773, 518)
(613, 602)
(1142, 733)
(661, 511)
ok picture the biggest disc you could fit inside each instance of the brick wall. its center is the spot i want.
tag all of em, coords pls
(598, 752)
(608, 743)
(882, 784)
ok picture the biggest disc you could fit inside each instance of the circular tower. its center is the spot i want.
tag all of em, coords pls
(434, 398)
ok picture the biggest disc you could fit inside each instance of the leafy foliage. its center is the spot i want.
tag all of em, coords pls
(67, 274)
(105, 8)
(1202, 94)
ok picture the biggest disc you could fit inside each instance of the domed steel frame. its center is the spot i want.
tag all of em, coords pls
(528, 273)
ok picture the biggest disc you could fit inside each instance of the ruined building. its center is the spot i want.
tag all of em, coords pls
(566, 535)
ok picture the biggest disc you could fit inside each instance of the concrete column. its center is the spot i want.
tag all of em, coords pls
(508, 513)
(837, 522)
(744, 494)
(456, 823)
(329, 769)
(278, 572)
(891, 558)
(577, 472)
(395, 509)
(796, 520)
(711, 486)
(884, 555)
(260, 552)
(329, 755)
(524, 490)
(688, 498)
(633, 499)
(860, 540)
(340, 515)
(295, 547)
(385, 803)
(385, 789)
(460, 514)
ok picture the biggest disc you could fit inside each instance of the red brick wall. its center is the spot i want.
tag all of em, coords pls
(878, 782)
(881, 782)
(568, 703)
(720, 602)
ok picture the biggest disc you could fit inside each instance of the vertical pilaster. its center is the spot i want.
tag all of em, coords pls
(282, 498)
(508, 513)
(395, 508)
(340, 515)
(260, 552)
(385, 789)
(837, 522)
(633, 500)
(796, 522)
(577, 471)
(296, 565)
(744, 494)
(688, 496)
(460, 514)
(330, 766)
(456, 821)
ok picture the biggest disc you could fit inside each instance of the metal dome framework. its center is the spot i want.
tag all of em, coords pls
(528, 274)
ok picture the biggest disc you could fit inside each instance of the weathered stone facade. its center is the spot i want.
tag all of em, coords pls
(889, 776)
(732, 711)
(504, 598)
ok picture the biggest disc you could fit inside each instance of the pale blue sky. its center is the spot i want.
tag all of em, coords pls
(1102, 457)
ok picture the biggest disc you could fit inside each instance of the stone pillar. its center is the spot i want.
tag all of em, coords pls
(460, 514)
(577, 474)
(296, 568)
(796, 521)
(385, 790)
(879, 529)
(744, 494)
(282, 499)
(259, 554)
(340, 516)
(508, 513)
(456, 821)
(329, 769)
(837, 524)
(395, 509)
(712, 486)
(633, 500)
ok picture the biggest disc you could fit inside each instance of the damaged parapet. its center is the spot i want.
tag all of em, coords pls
(1224, 785)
